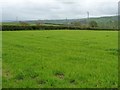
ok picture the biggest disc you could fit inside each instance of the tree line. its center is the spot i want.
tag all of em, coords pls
(76, 25)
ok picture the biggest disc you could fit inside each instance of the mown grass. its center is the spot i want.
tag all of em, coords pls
(0, 59)
(62, 59)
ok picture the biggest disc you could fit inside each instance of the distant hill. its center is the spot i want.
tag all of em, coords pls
(107, 22)
(103, 22)
(63, 21)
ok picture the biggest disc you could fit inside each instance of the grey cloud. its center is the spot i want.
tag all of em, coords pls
(57, 9)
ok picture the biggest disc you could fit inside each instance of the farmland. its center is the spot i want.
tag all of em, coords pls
(0, 60)
(60, 59)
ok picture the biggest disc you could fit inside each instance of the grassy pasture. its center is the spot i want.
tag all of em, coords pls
(69, 59)
(0, 59)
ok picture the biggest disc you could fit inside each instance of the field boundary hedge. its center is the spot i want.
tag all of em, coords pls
(19, 27)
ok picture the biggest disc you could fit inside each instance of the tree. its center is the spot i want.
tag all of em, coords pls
(39, 23)
(76, 23)
(23, 23)
(93, 24)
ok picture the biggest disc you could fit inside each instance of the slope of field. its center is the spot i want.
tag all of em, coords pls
(69, 59)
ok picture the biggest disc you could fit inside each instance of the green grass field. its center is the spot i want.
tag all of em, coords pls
(60, 59)
(0, 59)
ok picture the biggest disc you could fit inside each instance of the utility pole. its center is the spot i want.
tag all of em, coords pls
(88, 16)
(66, 20)
(17, 20)
(67, 23)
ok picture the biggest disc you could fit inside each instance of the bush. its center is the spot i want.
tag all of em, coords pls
(42, 27)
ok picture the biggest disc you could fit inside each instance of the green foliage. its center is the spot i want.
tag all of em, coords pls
(50, 27)
(37, 27)
(76, 23)
(23, 23)
(93, 24)
(60, 59)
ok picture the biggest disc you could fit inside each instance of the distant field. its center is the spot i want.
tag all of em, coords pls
(65, 59)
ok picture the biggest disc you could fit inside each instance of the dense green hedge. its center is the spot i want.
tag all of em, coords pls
(12, 28)
(16, 28)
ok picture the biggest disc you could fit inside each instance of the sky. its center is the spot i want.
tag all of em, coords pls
(56, 9)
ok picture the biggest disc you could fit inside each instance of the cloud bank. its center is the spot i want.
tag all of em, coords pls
(56, 9)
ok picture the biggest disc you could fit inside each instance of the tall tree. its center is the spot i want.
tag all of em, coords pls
(93, 24)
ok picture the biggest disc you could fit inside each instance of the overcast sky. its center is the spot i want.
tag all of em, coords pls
(56, 9)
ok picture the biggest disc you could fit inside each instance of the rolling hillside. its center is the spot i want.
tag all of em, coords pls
(110, 22)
